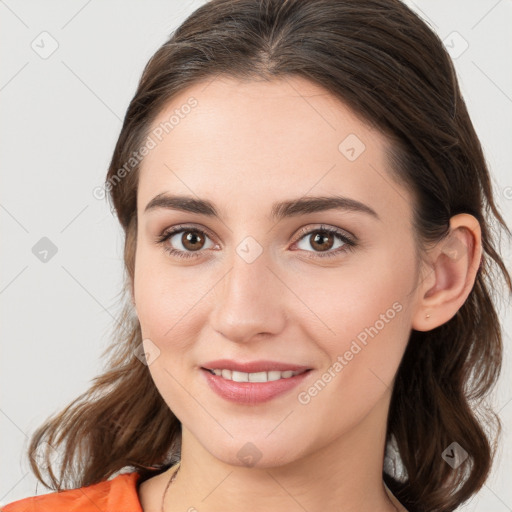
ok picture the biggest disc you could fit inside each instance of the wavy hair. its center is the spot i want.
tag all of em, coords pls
(391, 69)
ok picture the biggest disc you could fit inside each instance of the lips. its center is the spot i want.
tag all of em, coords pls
(261, 384)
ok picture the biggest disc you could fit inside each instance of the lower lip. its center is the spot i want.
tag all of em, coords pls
(251, 392)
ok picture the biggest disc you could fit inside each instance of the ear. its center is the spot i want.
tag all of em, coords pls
(454, 263)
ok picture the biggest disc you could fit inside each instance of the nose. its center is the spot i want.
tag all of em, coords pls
(250, 301)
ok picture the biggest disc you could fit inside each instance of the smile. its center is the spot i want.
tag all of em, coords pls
(256, 376)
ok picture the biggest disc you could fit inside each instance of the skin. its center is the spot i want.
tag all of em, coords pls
(243, 147)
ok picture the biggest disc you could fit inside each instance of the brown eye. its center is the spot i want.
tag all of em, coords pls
(192, 240)
(322, 241)
(184, 242)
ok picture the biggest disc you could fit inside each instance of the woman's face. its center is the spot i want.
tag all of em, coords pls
(259, 280)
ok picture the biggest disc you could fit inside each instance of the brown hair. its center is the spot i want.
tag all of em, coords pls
(384, 62)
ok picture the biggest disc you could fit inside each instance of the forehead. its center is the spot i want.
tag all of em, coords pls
(258, 140)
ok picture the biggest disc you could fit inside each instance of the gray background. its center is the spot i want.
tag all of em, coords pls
(61, 115)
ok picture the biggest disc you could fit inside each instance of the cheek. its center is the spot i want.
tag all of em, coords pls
(365, 317)
(157, 296)
(342, 303)
(168, 300)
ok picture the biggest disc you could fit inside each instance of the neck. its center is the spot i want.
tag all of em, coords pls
(344, 475)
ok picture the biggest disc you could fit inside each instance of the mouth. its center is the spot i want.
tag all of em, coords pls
(251, 383)
(264, 376)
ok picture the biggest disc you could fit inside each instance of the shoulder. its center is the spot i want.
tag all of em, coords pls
(116, 495)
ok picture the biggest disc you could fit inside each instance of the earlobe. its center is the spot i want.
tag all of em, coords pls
(454, 264)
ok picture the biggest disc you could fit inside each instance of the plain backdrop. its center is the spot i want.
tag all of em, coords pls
(69, 70)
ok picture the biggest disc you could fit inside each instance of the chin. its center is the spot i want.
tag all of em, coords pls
(256, 452)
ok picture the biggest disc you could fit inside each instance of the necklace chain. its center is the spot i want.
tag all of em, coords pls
(168, 484)
(171, 480)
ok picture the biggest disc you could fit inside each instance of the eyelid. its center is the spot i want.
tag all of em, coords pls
(182, 227)
(330, 229)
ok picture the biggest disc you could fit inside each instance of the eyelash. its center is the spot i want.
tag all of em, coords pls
(350, 244)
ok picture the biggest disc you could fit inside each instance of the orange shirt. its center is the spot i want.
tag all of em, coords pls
(116, 495)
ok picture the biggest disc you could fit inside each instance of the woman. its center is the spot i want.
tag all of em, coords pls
(308, 219)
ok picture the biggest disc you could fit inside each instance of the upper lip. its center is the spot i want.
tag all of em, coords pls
(252, 366)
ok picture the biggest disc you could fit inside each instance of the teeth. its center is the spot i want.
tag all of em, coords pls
(254, 377)
(238, 376)
(257, 377)
(274, 375)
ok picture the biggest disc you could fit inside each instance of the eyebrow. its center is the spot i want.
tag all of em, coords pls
(279, 210)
